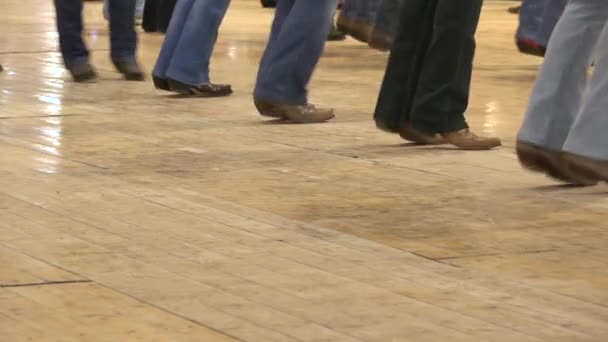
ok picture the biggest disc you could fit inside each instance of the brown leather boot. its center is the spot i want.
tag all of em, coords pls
(294, 113)
(539, 159)
(587, 167)
(467, 140)
(408, 133)
(381, 41)
(361, 31)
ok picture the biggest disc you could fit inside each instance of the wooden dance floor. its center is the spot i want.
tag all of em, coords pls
(127, 214)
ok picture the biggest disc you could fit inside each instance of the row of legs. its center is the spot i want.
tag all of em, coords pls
(425, 91)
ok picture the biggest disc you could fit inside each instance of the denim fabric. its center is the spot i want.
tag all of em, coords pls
(295, 46)
(123, 37)
(190, 39)
(567, 110)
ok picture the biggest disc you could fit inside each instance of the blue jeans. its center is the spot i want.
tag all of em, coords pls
(190, 39)
(361, 10)
(123, 37)
(538, 19)
(295, 46)
(567, 110)
(139, 9)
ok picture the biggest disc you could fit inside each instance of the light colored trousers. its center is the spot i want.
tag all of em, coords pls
(568, 110)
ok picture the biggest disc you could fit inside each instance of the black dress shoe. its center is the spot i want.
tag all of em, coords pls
(204, 90)
(294, 113)
(82, 73)
(130, 70)
(161, 83)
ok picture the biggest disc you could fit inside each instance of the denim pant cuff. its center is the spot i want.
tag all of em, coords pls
(279, 98)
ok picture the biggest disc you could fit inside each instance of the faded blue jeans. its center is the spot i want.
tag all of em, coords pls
(296, 43)
(189, 42)
(568, 111)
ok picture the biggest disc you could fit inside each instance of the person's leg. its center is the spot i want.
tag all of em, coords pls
(123, 39)
(404, 64)
(165, 11)
(295, 52)
(73, 50)
(282, 11)
(190, 61)
(560, 85)
(442, 93)
(149, 23)
(172, 38)
(69, 26)
(588, 137)
(553, 11)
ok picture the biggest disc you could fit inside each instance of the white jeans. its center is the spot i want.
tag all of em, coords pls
(568, 111)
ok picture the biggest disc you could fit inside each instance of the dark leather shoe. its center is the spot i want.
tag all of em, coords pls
(344, 24)
(361, 31)
(381, 41)
(294, 113)
(204, 90)
(83, 73)
(130, 70)
(514, 9)
(587, 167)
(467, 140)
(408, 133)
(161, 83)
(539, 159)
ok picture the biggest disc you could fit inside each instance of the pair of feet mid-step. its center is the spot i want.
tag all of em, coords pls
(85, 72)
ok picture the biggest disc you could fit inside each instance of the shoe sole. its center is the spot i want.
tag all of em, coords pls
(477, 147)
(537, 159)
(585, 167)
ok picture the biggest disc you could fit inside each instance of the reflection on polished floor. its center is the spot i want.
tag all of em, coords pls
(127, 214)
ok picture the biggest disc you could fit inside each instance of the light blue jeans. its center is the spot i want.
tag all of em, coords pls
(296, 43)
(568, 111)
(139, 9)
(189, 42)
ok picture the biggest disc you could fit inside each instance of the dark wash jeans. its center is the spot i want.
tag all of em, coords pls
(428, 77)
(122, 27)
